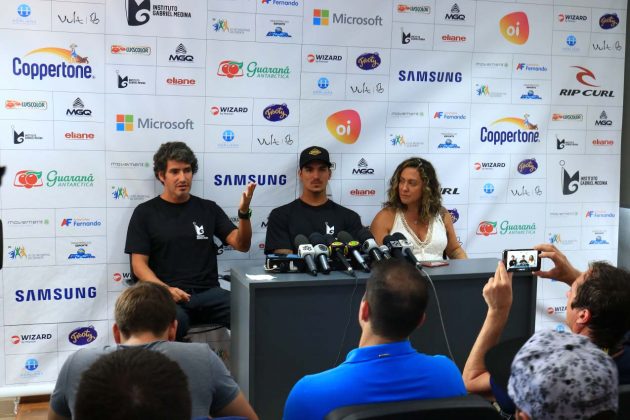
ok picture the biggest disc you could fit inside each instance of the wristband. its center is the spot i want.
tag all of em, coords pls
(245, 215)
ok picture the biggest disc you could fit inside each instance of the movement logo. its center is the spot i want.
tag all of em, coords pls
(527, 132)
(77, 69)
(78, 109)
(140, 11)
(121, 49)
(368, 61)
(345, 126)
(277, 112)
(321, 17)
(587, 78)
(515, 27)
(35, 105)
(181, 54)
(609, 21)
(28, 179)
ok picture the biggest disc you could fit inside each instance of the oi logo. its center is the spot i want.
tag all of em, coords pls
(515, 27)
(345, 125)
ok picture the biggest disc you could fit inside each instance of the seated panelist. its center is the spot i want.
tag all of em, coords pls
(414, 208)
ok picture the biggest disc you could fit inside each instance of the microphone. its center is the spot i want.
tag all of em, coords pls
(353, 249)
(321, 251)
(338, 251)
(306, 251)
(407, 248)
(369, 245)
(385, 251)
(394, 246)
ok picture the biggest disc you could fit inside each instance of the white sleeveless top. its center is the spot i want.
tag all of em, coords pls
(433, 247)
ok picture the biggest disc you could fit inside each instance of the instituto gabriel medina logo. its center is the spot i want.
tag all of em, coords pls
(345, 125)
(73, 66)
(515, 27)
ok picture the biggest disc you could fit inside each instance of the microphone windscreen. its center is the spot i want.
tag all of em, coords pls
(364, 234)
(389, 238)
(344, 237)
(301, 240)
(329, 239)
(317, 238)
(399, 236)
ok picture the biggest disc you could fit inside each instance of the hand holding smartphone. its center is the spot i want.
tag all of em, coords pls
(521, 260)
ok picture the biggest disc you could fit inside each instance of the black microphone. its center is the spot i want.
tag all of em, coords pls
(353, 249)
(338, 250)
(369, 245)
(306, 251)
(394, 246)
(321, 251)
(407, 248)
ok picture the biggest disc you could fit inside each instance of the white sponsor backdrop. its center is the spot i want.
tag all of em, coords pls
(517, 104)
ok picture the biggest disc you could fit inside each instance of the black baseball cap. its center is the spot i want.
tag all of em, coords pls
(313, 153)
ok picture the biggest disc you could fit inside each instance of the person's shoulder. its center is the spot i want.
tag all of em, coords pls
(385, 215)
(286, 207)
(149, 204)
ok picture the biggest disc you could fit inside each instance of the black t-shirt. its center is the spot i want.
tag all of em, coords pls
(178, 238)
(297, 217)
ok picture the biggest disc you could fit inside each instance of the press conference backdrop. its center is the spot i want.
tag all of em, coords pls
(517, 104)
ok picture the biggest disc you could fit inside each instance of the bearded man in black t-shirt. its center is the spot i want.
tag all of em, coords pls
(170, 240)
(313, 211)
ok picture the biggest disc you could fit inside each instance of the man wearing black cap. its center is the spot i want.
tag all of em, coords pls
(312, 211)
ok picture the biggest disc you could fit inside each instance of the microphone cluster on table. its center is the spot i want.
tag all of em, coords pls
(321, 254)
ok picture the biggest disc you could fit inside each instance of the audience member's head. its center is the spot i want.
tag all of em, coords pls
(144, 307)
(600, 301)
(133, 383)
(561, 375)
(396, 294)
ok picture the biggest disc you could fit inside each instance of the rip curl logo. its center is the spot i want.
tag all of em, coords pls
(580, 75)
(199, 230)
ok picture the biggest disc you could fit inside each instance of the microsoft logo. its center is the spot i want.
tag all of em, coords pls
(124, 122)
(320, 17)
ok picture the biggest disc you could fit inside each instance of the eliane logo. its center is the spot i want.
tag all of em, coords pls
(345, 125)
(515, 27)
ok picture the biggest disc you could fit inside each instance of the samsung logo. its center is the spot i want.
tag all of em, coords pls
(429, 76)
(228, 179)
(67, 293)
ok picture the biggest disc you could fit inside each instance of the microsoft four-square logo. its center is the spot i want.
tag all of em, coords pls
(124, 122)
(320, 17)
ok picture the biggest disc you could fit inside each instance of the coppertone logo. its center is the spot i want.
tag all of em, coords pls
(139, 12)
(73, 66)
(133, 50)
(34, 105)
(276, 112)
(82, 335)
(368, 61)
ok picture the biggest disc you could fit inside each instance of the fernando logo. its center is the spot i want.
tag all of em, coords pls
(515, 27)
(345, 125)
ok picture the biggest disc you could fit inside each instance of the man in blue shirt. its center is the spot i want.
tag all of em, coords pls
(385, 367)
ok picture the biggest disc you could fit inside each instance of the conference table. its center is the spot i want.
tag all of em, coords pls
(297, 324)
